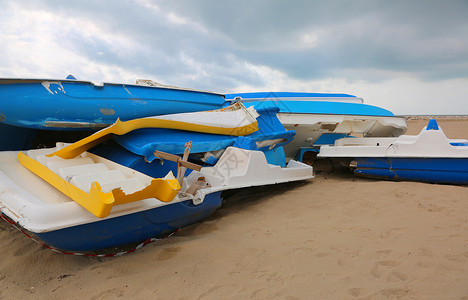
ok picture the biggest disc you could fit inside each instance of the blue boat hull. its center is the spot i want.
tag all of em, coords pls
(132, 228)
(291, 103)
(323, 116)
(433, 170)
(15, 138)
(73, 105)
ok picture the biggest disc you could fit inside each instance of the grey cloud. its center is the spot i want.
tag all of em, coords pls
(414, 37)
(355, 40)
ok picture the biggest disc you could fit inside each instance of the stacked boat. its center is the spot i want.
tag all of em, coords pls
(86, 166)
(320, 118)
(138, 178)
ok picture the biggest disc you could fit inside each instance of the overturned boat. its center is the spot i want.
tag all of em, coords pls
(427, 157)
(321, 118)
(70, 104)
(138, 147)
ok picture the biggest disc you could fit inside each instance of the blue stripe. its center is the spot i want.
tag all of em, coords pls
(276, 95)
(435, 170)
(324, 107)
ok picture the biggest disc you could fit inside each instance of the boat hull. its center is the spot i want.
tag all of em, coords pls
(15, 138)
(428, 157)
(82, 105)
(48, 213)
(319, 129)
(132, 228)
(270, 135)
(432, 170)
(53, 217)
(316, 115)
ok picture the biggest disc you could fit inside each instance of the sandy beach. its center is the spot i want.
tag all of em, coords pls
(334, 237)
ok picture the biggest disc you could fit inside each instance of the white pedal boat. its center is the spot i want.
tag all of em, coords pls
(41, 209)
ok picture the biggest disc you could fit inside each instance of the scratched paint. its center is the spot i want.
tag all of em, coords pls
(107, 111)
(65, 124)
(127, 90)
(53, 87)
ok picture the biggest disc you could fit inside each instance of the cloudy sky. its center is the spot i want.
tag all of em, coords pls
(410, 57)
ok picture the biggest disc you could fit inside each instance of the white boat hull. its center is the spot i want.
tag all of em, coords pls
(310, 127)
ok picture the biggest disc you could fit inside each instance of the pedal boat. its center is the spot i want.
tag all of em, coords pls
(427, 157)
(75, 200)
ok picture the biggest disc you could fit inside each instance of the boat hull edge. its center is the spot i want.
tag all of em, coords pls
(132, 228)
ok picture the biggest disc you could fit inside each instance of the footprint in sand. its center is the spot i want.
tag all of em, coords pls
(425, 263)
(454, 257)
(24, 250)
(425, 251)
(388, 263)
(381, 267)
(400, 276)
(356, 292)
(112, 293)
(199, 229)
(392, 232)
(383, 253)
(270, 276)
(168, 253)
(398, 293)
(430, 207)
(375, 271)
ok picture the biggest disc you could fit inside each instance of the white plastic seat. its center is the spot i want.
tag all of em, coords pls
(84, 181)
(69, 172)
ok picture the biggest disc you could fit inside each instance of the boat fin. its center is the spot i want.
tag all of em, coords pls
(97, 202)
(432, 125)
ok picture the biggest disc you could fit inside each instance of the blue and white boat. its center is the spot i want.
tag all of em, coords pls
(42, 210)
(321, 118)
(70, 104)
(427, 157)
(49, 202)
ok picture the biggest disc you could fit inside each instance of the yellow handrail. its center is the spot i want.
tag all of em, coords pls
(96, 201)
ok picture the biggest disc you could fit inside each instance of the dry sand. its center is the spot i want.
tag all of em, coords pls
(334, 237)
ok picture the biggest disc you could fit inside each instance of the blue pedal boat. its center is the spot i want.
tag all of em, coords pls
(427, 157)
(206, 148)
